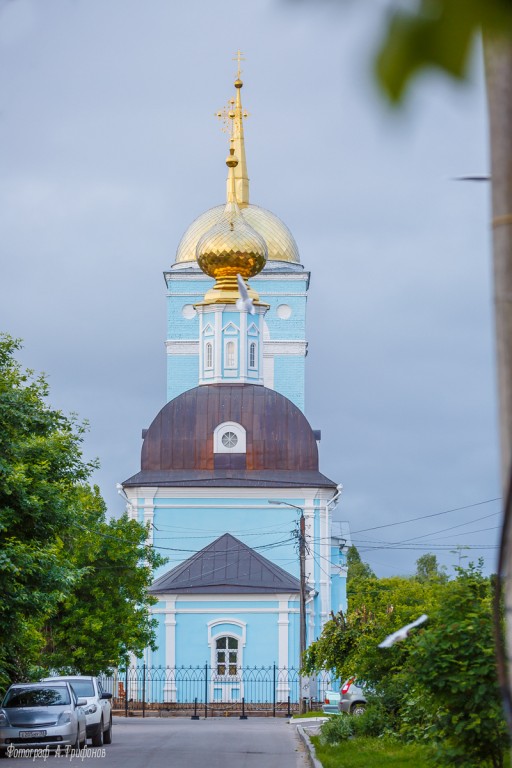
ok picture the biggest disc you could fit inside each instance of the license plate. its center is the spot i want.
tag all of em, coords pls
(30, 734)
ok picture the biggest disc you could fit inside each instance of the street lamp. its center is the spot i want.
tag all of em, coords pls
(302, 562)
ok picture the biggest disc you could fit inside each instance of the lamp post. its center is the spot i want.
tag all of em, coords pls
(302, 594)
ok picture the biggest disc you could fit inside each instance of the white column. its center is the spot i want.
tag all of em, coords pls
(309, 522)
(283, 624)
(170, 649)
(242, 347)
(324, 552)
(218, 345)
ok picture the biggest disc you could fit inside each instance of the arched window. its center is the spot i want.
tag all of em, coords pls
(229, 437)
(230, 355)
(209, 355)
(226, 656)
(252, 354)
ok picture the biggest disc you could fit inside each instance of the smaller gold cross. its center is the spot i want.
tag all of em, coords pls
(238, 57)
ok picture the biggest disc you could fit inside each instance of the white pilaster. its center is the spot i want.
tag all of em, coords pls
(170, 648)
(324, 551)
(283, 625)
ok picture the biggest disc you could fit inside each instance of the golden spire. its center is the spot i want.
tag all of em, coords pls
(231, 247)
(235, 114)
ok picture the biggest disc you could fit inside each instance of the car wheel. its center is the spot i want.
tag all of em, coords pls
(97, 739)
(357, 709)
(83, 743)
(76, 745)
(107, 735)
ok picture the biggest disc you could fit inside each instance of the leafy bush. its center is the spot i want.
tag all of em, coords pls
(454, 662)
(336, 730)
(418, 716)
(373, 722)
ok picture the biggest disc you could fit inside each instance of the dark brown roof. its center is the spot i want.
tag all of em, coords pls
(230, 478)
(279, 436)
(227, 565)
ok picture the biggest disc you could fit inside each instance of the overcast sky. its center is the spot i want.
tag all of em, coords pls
(109, 149)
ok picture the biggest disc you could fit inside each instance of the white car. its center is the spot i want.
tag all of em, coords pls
(98, 710)
(331, 702)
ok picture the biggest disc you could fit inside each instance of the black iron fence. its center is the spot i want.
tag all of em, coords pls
(200, 691)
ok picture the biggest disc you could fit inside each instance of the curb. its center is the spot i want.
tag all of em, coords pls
(313, 760)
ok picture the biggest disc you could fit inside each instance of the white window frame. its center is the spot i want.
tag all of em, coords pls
(253, 365)
(230, 366)
(208, 353)
(239, 431)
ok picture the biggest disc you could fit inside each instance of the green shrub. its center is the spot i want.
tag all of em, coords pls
(336, 730)
(373, 722)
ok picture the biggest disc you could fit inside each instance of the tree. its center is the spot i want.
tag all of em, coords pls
(453, 661)
(40, 468)
(73, 585)
(106, 615)
(377, 607)
(427, 569)
(357, 570)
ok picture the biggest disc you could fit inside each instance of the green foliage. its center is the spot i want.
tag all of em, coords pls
(72, 584)
(106, 616)
(435, 34)
(427, 569)
(373, 722)
(437, 687)
(40, 469)
(336, 729)
(372, 753)
(357, 569)
(454, 662)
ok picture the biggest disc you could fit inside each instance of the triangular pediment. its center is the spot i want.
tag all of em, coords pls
(231, 329)
(208, 330)
(227, 565)
(253, 330)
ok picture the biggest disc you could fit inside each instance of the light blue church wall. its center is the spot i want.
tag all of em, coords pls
(184, 527)
(283, 294)
(198, 624)
(181, 369)
(289, 378)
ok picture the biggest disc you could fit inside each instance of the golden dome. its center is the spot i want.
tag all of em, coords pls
(280, 242)
(230, 248)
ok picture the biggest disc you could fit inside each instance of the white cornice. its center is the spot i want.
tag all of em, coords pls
(284, 347)
(202, 492)
(182, 347)
(263, 276)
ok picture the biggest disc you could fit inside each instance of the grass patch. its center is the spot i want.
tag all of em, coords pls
(372, 753)
(317, 713)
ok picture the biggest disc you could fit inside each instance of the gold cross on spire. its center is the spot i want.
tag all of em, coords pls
(227, 115)
(238, 57)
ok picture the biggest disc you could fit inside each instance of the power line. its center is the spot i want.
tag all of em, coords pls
(424, 517)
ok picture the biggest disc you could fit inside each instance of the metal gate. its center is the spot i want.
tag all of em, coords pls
(200, 691)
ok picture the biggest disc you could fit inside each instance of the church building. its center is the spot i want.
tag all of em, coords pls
(229, 473)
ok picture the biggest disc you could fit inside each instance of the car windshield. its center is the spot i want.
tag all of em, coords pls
(82, 687)
(49, 696)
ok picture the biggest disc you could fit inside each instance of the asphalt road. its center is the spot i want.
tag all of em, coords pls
(184, 743)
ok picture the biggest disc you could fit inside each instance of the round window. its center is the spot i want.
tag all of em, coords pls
(188, 311)
(229, 439)
(284, 312)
